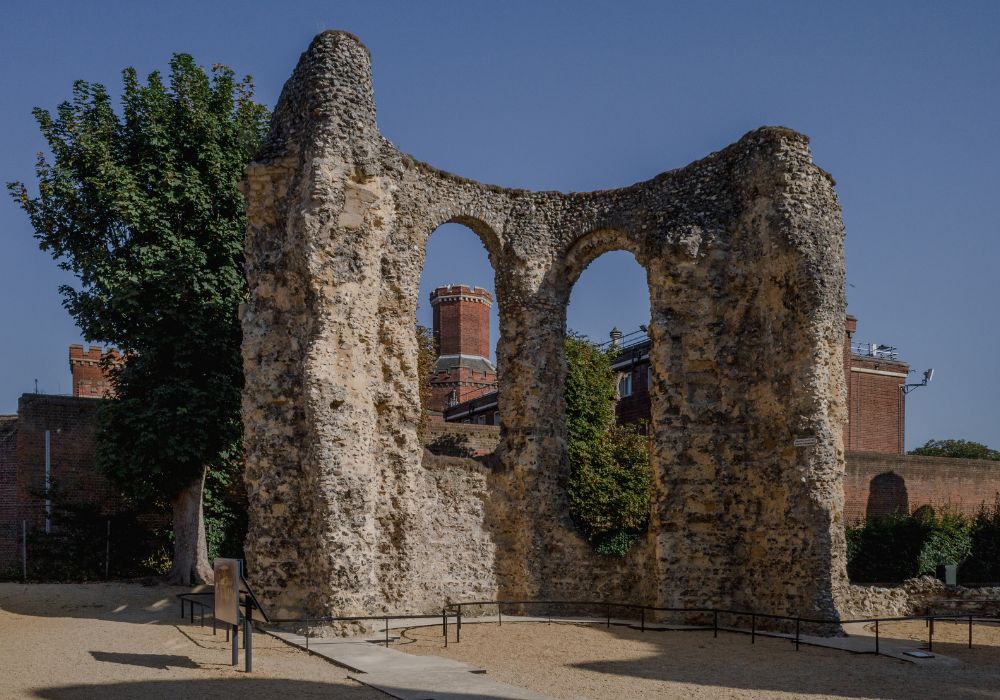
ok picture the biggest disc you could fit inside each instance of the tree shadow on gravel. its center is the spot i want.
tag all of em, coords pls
(243, 688)
(773, 666)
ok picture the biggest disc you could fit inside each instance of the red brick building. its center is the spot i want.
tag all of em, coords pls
(88, 369)
(48, 447)
(876, 403)
(461, 327)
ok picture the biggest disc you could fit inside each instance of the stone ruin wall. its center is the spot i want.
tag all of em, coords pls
(744, 256)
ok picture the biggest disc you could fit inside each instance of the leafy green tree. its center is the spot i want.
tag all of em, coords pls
(964, 449)
(143, 208)
(610, 482)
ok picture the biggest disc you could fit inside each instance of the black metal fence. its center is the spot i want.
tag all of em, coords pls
(636, 615)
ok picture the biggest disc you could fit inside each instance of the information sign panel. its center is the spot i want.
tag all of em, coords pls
(227, 590)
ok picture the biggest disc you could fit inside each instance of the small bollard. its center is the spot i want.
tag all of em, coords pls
(236, 645)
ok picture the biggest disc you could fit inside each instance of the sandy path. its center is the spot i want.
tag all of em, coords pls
(109, 641)
(582, 661)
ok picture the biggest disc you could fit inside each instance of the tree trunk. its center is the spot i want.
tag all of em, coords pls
(190, 565)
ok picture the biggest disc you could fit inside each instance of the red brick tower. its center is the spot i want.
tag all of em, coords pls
(89, 378)
(876, 404)
(462, 339)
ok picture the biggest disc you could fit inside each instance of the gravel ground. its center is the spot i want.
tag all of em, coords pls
(586, 661)
(110, 641)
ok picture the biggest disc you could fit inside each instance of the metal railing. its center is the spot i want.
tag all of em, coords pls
(366, 618)
(753, 616)
(640, 612)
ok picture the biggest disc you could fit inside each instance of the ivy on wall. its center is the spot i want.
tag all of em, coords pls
(609, 482)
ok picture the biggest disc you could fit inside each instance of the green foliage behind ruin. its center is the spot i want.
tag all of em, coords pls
(891, 549)
(609, 482)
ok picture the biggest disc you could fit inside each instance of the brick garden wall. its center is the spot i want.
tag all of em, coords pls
(72, 424)
(8, 493)
(880, 484)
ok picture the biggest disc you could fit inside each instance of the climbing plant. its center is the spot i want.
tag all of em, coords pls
(609, 481)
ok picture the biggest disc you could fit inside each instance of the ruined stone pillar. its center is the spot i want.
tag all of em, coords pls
(314, 242)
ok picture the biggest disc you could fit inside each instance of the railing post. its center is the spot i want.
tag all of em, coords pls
(642, 617)
(876, 637)
(236, 645)
(970, 631)
(500, 614)
(930, 635)
(715, 623)
(191, 610)
(182, 608)
(797, 621)
(609, 615)
(458, 625)
(248, 637)
(387, 633)
(753, 629)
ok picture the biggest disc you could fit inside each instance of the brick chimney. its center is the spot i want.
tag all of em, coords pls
(461, 328)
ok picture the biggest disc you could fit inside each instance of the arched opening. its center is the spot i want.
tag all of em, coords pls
(608, 394)
(458, 325)
(887, 496)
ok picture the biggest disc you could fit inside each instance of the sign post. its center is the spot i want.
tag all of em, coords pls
(229, 582)
(227, 599)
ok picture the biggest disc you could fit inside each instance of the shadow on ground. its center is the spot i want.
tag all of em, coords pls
(773, 665)
(242, 688)
(591, 661)
(160, 661)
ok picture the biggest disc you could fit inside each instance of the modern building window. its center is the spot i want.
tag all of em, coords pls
(496, 419)
(625, 385)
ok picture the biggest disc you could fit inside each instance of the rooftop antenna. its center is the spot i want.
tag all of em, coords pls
(928, 376)
(36, 385)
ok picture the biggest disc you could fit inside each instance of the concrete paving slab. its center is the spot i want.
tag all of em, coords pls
(407, 676)
(443, 685)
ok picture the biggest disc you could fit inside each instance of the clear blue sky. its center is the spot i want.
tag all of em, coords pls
(901, 100)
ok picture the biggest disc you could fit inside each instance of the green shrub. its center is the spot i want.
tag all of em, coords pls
(610, 482)
(983, 565)
(947, 542)
(894, 548)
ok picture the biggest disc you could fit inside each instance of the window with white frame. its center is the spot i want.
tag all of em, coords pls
(625, 385)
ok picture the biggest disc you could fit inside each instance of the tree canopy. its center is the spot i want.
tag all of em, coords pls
(143, 208)
(963, 449)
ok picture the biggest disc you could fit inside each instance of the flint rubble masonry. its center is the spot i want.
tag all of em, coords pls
(744, 253)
